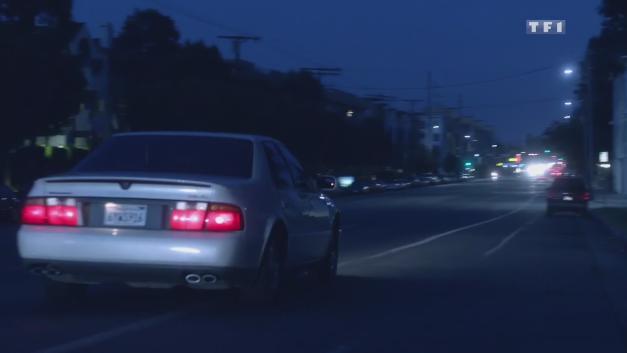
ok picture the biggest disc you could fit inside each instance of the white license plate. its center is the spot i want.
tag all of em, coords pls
(120, 215)
(568, 198)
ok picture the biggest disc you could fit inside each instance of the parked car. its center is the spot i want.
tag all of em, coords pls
(419, 180)
(166, 209)
(9, 204)
(449, 178)
(567, 194)
(431, 178)
(364, 185)
(397, 183)
(466, 176)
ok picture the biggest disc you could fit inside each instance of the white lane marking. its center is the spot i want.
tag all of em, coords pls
(435, 237)
(509, 237)
(94, 339)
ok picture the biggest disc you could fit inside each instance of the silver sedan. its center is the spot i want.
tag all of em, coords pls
(164, 209)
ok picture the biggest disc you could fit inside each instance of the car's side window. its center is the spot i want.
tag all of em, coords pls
(296, 170)
(278, 167)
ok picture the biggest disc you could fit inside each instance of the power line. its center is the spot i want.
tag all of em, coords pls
(222, 26)
(515, 103)
(192, 16)
(459, 84)
(228, 28)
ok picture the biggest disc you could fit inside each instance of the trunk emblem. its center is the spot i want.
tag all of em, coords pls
(125, 185)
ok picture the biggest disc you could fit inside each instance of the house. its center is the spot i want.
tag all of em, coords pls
(95, 118)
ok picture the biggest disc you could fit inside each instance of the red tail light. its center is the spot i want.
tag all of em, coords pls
(224, 218)
(51, 211)
(62, 215)
(187, 219)
(201, 216)
(586, 196)
(34, 214)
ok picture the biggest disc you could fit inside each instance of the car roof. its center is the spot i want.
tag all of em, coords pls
(250, 137)
(569, 181)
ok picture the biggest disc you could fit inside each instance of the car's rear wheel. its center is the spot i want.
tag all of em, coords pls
(267, 287)
(328, 266)
(60, 291)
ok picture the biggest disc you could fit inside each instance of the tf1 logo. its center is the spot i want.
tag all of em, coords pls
(546, 26)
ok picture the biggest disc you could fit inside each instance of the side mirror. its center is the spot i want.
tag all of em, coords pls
(326, 182)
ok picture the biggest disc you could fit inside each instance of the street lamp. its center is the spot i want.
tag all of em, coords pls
(568, 71)
(467, 137)
(495, 146)
(477, 155)
(567, 117)
(568, 103)
(436, 126)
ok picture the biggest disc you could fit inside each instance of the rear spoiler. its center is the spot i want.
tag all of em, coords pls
(129, 181)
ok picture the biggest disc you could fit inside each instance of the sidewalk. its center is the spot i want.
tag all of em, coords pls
(611, 209)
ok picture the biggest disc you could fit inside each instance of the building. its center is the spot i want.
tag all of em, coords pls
(619, 159)
(405, 130)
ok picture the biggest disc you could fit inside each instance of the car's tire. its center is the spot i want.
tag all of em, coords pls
(269, 283)
(56, 292)
(328, 266)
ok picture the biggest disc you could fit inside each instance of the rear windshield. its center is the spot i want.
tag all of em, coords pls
(569, 184)
(217, 156)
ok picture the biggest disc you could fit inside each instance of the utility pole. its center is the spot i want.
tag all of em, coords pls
(429, 112)
(237, 41)
(413, 132)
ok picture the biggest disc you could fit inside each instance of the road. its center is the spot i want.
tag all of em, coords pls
(474, 267)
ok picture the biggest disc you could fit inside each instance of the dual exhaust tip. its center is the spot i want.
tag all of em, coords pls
(191, 278)
(194, 278)
(46, 271)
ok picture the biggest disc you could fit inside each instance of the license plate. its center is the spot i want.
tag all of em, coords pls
(568, 198)
(121, 215)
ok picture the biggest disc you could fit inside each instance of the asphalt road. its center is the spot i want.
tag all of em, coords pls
(473, 267)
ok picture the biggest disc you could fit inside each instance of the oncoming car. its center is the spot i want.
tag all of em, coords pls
(166, 209)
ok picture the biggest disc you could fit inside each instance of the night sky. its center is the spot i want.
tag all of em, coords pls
(389, 46)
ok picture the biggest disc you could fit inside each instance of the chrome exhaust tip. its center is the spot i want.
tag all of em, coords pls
(192, 278)
(37, 271)
(51, 272)
(209, 278)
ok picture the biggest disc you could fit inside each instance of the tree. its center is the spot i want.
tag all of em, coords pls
(144, 73)
(42, 83)
(601, 65)
(565, 138)
(161, 84)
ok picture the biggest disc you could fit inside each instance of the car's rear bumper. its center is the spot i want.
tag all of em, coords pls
(141, 275)
(166, 254)
(567, 205)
